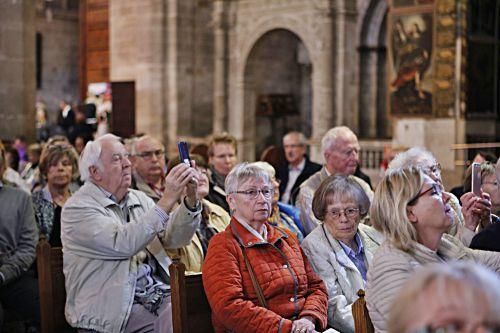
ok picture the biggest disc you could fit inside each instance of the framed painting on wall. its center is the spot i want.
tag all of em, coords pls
(410, 3)
(410, 64)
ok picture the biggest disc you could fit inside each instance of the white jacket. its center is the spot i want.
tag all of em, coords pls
(100, 253)
(341, 277)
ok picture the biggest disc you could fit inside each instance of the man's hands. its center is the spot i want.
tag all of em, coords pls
(476, 209)
(180, 178)
(303, 325)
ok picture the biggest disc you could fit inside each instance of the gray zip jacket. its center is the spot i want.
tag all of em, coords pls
(100, 253)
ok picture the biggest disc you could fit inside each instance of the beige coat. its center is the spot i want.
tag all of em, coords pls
(391, 268)
(191, 255)
(341, 277)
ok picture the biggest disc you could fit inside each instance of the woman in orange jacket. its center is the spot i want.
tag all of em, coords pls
(256, 277)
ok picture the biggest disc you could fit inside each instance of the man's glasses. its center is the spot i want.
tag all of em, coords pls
(435, 187)
(254, 193)
(147, 155)
(348, 212)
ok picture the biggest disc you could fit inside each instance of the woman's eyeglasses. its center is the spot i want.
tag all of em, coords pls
(435, 187)
(254, 193)
(348, 212)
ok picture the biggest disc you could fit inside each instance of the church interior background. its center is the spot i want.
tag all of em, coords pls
(400, 73)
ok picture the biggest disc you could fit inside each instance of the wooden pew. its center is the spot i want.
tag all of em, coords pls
(51, 288)
(362, 321)
(191, 312)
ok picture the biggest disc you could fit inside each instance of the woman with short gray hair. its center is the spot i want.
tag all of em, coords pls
(255, 275)
(341, 249)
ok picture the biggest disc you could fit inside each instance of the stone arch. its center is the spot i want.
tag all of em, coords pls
(374, 120)
(317, 42)
(285, 53)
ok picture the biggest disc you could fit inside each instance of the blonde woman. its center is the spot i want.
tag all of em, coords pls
(412, 211)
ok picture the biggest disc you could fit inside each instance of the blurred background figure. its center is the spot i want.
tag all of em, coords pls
(222, 150)
(65, 117)
(282, 215)
(214, 219)
(29, 173)
(58, 168)
(148, 166)
(489, 184)
(451, 297)
(297, 169)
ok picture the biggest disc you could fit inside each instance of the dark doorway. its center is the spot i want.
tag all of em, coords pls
(123, 115)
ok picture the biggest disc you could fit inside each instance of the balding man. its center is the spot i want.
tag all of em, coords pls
(297, 169)
(148, 163)
(340, 150)
(115, 267)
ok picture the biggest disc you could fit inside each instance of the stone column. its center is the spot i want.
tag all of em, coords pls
(220, 66)
(368, 93)
(172, 74)
(325, 113)
(17, 67)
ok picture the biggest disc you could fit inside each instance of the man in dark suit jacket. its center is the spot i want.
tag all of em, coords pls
(297, 169)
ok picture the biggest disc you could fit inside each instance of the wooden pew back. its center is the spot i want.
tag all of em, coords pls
(362, 321)
(191, 312)
(51, 288)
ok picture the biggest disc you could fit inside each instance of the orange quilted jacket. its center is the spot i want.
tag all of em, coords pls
(290, 287)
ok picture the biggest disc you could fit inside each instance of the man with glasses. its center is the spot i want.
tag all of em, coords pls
(297, 169)
(148, 163)
(340, 149)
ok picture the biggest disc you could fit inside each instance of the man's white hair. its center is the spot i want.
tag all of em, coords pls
(333, 134)
(91, 154)
(413, 157)
(300, 136)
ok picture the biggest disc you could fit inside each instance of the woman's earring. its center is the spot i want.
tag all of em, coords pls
(231, 211)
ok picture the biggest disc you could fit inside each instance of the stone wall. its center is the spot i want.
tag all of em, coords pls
(60, 59)
(17, 68)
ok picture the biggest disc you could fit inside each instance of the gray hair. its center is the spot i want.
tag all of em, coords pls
(91, 154)
(332, 135)
(132, 146)
(301, 136)
(413, 157)
(267, 167)
(475, 284)
(243, 172)
(337, 189)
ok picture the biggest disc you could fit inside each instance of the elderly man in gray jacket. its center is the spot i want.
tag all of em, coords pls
(115, 267)
(340, 150)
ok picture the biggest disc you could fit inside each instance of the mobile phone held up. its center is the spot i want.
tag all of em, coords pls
(184, 152)
(476, 178)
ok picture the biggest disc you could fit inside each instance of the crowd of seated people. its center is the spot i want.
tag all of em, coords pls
(122, 212)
